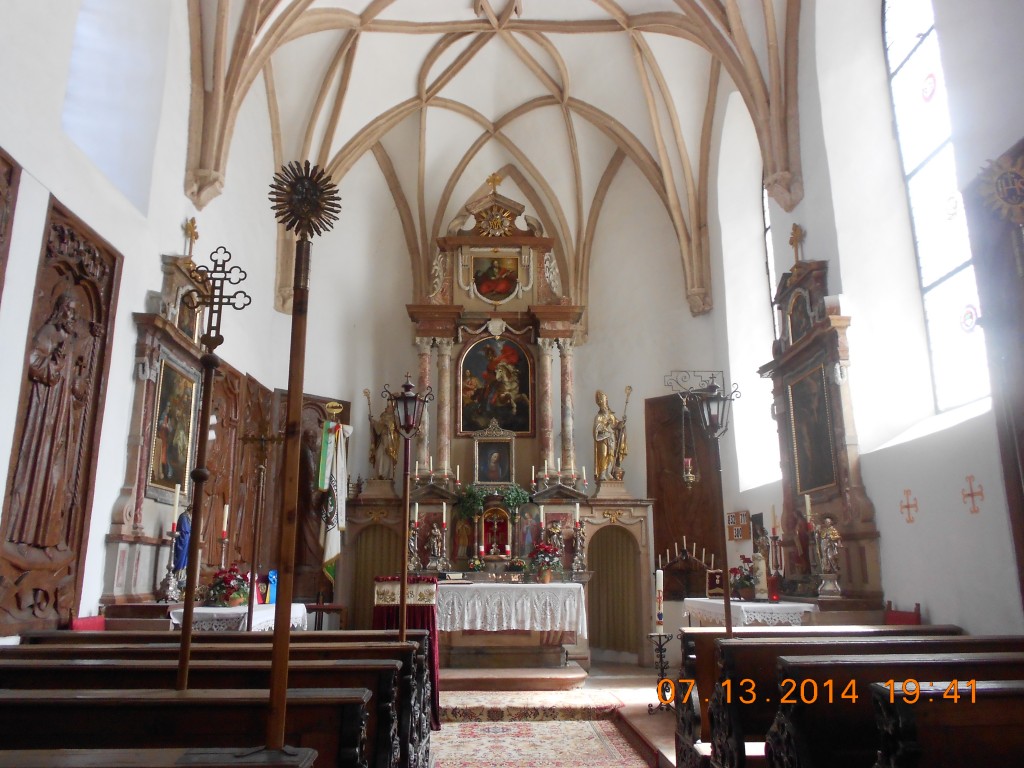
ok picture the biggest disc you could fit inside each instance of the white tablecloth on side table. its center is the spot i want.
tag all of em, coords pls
(500, 607)
(233, 619)
(711, 611)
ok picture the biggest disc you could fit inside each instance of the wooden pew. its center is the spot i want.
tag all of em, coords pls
(384, 748)
(700, 663)
(331, 721)
(828, 718)
(939, 733)
(427, 686)
(414, 735)
(746, 698)
(156, 758)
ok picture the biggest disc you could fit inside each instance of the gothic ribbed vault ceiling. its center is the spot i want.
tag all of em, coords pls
(556, 95)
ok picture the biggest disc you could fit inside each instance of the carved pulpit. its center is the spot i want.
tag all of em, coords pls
(817, 439)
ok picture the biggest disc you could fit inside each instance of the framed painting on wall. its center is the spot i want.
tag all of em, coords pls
(497, 385)
(494, 462)
(175, 411)
(814, 454)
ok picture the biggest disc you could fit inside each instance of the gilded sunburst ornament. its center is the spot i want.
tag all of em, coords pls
(1003, 188)
(494, 222)
(305, 199)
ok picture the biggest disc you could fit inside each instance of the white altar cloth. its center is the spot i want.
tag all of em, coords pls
(225, 619)
(500, 607)
(706, 611)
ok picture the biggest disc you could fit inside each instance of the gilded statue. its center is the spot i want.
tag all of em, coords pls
(610, 445)
(829, 542)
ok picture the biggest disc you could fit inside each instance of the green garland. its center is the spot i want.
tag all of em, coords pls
(471, 501)
(514, 496)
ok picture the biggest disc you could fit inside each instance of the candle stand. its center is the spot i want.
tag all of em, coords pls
(223, 552)
(169, 587)
(660, 640)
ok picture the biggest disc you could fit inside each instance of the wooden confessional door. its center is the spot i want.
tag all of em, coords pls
(680, 511)
(995, 209)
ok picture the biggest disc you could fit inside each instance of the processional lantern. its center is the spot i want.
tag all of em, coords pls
(714, 406)
(409, 407)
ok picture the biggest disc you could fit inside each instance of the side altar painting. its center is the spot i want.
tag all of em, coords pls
(497, 384)
(175, 415)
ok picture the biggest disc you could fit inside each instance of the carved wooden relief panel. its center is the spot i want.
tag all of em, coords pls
(10, 174)
(50, 481)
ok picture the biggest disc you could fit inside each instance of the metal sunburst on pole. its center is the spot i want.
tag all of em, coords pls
(211, 294)
(305, 201)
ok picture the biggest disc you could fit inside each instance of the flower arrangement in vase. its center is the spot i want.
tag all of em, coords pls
(229, 588)
(476, 563)
(546, 561)
(742, 578)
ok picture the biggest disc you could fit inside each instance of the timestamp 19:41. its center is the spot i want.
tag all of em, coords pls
(810, 691)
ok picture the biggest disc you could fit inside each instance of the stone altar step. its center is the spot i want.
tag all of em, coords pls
(513, 678)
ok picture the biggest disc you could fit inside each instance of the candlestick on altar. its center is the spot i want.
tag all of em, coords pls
(169, 587)
(223, 550)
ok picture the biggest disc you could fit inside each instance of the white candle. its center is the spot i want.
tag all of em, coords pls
(533, 472)
(584, 468)
(712, 561)
(559, 466)
(545, 467)
(542, 520)
(417, 473)
(508, 550)
(702, 549)
(576, 514)
(659, 560)
(444, 513)
(807, 506)
(684, 542)
(177, 499)
(677, 547)
(659, 601)
(416, 512)
(431, 467)
(224, 527)
(457, 468)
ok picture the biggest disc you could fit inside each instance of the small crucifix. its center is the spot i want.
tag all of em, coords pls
(796, 237)
(191, 233)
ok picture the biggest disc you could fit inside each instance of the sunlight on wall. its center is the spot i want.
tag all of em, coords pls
(749, 314)
(115, 88)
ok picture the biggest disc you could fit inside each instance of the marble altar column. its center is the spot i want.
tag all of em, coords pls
(423, 345)
(568, 441)
(444, 410)
(547, 432)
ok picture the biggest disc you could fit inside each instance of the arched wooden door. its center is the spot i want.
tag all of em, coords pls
(378, 552)
(614, 606)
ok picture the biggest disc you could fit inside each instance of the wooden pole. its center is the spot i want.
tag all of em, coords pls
(403, 589)
(257, 542)
(199, 476)
(289, 516)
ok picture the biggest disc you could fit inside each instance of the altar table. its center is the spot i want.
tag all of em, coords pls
(509, 625)
(491, 607)
(705, 611)
(230, 619)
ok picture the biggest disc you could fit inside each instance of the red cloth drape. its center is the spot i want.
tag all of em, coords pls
(417, 617)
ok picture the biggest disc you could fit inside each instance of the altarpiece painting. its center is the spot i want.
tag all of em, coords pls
(496, 385)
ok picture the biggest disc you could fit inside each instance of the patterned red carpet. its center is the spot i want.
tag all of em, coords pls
(533, 744)
(492, 706)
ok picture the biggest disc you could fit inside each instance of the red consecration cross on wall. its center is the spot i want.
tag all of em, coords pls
(908, 506)
(974, 495)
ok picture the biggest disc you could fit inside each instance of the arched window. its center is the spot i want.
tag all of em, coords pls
(945, 267)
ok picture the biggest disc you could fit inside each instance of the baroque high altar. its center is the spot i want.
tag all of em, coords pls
(492, 319)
